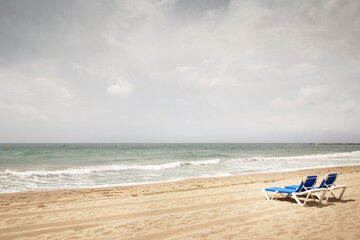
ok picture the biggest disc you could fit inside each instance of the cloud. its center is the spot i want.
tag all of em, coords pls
(66, 93)
(257, 67)
(25, 110)
(349, 106)
(296, 70)
(235, 61)
(121, 88)
(309, 95)
(44, 82)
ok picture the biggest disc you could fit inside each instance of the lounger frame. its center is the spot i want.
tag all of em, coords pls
(304, 191)
(331, 187)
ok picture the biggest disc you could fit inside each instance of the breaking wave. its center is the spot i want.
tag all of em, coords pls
(37, 178)
(109, 168)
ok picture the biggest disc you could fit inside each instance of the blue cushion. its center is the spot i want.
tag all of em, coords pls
(281, 190)
(329, 181)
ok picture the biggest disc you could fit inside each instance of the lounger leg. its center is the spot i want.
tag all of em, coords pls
(342, 192)
(312, 196)
(273, 195)
(322, 196)
(319, 197)
(266, 196)
(296, 199)
(330, 193)
(282, 195)
(307, 196)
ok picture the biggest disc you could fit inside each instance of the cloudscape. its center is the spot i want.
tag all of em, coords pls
(179, 71)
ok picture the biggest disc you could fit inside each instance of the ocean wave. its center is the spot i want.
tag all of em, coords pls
(329, 155)
(50, 177)
(100, 169)
(244, 163)
(348, 155)
(205, 162)
(215, 175)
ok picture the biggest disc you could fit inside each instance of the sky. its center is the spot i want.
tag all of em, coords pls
(176, 71)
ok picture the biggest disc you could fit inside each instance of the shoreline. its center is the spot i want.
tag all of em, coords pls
(208, 208)
(185, 179)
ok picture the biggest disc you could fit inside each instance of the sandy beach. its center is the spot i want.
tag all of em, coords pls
(212, 208)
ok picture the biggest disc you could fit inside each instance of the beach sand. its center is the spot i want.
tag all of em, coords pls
(212, 208)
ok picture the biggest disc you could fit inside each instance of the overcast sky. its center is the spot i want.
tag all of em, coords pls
(179, 71)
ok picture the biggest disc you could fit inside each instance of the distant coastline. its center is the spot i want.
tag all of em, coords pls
(334, 143)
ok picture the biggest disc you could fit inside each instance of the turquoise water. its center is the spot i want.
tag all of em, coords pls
(25, 167)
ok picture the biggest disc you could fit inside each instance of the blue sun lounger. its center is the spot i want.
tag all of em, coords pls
(327, 183)
(306, 188)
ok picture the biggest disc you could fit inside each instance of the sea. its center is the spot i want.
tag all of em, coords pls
(34, 167)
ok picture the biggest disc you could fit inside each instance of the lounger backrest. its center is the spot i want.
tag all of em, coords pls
(328, 180)
(307, 183)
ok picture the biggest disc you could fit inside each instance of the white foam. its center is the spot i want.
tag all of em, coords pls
(215, 175)
(106, 168)
(348, 155)
(205, 162)
(132, 174)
